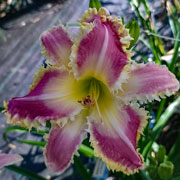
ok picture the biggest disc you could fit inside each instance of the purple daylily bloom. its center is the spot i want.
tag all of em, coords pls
(91, 84)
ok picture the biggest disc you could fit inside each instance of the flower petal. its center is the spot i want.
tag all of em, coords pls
(8, 159)
(53, 95)
(100, 50)
(148, 82)
(63, 142)
(57, 45)
(114, 136)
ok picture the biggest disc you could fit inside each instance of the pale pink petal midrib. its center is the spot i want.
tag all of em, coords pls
(103, 50)
(122, 136)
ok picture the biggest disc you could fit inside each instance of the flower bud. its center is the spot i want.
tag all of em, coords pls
(165, 170)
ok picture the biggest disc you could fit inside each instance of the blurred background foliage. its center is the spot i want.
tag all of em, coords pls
(160, 144)
(10, 7)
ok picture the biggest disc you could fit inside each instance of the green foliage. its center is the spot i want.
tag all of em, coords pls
(81, 169)
(133, 31)
(22, 130)
(94, 4)
(158, 167)
(174, 152)
(160, 125)
(25, 172)
(161, 154)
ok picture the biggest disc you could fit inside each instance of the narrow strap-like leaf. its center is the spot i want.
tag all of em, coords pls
(25, 172)
(160, 125)
(94, 4)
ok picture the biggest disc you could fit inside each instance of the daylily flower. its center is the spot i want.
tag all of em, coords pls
(92, 85)
(8, 159)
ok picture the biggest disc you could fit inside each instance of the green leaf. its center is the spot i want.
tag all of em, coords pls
(122, 20)
(173, 18)
(159, 43)
(25, 172)
(133, 31)
(35, 143)
(144, 175)
(94, 4)
(13, 128)
(81, 169)
(175, 149)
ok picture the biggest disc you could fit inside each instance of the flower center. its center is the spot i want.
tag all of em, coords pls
(92, 87)
(87, 102)
(95, 92)
(95, 89)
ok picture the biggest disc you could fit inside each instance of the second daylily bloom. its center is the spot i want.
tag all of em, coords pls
(8, 159)
(91, 84)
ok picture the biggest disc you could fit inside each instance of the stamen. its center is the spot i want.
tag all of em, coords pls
(92, 99)
(94, 90)
(87, 102)
(98, 110)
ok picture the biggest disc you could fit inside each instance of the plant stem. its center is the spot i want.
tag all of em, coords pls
(175, 55)
(144, 175)
(160, 109)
